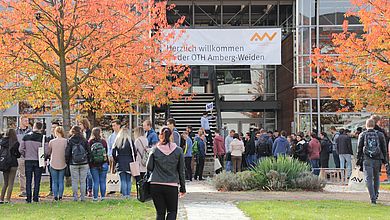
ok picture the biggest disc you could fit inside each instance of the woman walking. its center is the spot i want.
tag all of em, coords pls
(9, 143)
(141, 146)
(77, 156)
(122, 153)
(56, 150)
(237, 148)
(98, 163)
(166, 162)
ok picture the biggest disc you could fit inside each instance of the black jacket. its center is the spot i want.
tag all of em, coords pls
(326, 148)
(300, 151)
(344, 144)
(4, 143)
(167, 168)
(68, 151)
(123, 157)
(382, 145)
(250, 148)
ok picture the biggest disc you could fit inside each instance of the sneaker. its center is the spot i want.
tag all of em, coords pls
(373, 202)
(23, 194)
(55, 198)
(102, 199)
(89, 193)
(1, 202)
(95, 199)
(60, 198)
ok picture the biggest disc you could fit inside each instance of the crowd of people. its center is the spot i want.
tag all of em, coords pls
(168, 157)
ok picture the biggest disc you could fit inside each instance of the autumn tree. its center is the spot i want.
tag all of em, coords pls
(361, 70)
(102, 50)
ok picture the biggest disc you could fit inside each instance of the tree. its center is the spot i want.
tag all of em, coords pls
(361, 70)
(107, 52)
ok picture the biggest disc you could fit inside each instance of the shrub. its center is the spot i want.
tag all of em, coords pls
(308, 181)
(283, 165)
(276, 181)
(228, 181)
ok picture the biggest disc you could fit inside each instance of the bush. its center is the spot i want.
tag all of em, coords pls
(276, 181)
(289, 167)
(308, 181)
(228, 181)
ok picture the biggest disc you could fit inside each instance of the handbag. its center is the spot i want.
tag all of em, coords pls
(217, 164)
(145, 156)
(143, 189)
(134, 166)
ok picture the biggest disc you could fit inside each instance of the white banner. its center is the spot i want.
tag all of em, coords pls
(226, 46)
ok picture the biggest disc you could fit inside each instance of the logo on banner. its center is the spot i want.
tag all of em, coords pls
(258, 37)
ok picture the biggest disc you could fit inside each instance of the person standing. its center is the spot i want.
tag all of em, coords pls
(326, 149)
(190, 132)
(29, 150)
(263, 145)
(371, 153)
(85, 126)
(250, 150)
(116, 127)
(281, 146)
(23, 129)
(123, 156)
(300, 150)
(219, 149)
(236, 148)
(54, 125)
(229, 140)
(205, 124)
(56, 151)
(335, 154)
(141, 146)
(98, 163)
(314, 153)
(9, 143)
(151, 134)
(344, 149)
(166, 164)
(77, 155)
(171, 123)
(188, 155)
(200, 156)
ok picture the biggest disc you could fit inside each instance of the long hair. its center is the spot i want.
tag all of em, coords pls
(166, 135)
(76, 131)
(96, 134)
(138, 132)
(85, 122)
(123, 135)
(12, 137)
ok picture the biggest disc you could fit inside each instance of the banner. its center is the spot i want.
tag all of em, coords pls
(226, 46)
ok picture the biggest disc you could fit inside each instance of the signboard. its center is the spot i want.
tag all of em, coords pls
(209, 106)
(226, 46)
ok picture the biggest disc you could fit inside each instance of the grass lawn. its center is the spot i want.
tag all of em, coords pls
(314, 210)
(108, 209)
(384, 186)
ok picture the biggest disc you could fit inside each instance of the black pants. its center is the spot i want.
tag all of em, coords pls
(51, 179)
(165, 199)
(209, 138)
(222, 162)
(32, 168)
(199, 167)
(187, 161)
(336, 159)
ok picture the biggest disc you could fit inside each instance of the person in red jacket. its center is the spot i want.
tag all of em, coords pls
(219, 149)
(314, 153)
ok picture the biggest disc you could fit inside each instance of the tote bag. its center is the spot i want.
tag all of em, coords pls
(41, 153)
(113, 182)
(134, 166)
(143, 189)
(357, 181)
(217, 164)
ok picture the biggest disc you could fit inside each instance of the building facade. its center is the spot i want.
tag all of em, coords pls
(273, 97)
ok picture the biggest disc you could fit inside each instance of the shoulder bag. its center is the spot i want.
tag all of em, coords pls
(134, 166)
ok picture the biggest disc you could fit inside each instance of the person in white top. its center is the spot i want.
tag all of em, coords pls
(56, 150)
(141, 146)
(236, 148)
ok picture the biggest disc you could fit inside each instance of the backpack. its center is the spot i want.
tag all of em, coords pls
(5, 159)
(371, 144)
(79, 154)
(262, 147)
(98, 153)
(195, 148)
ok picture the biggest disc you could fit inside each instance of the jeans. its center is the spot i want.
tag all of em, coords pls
(236, 161)
(199, 168)
(251, 160)
(78, 174)
(228, 166)
(336, 159)
(125, 184)
(9, 179)
(188, 161)
(165, 199)
(343, 158)
(372, 169)
(89, 181)
(57, 182)
(50, 178)
(32, 168)
(315, 165)
(99, 177)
